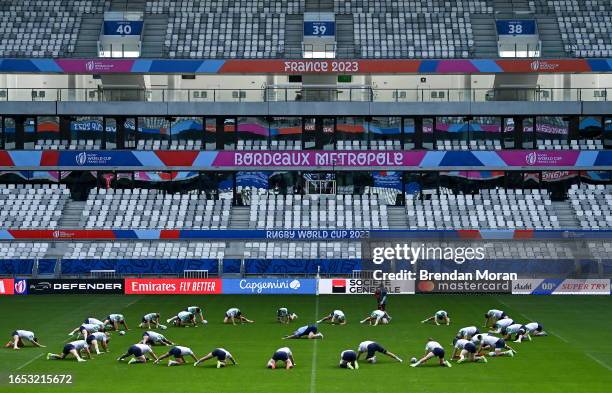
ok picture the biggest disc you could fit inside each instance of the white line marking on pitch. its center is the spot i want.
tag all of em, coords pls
(531, 319)
(313, 372)
(29, 361)
(132, 302)
(601, 363)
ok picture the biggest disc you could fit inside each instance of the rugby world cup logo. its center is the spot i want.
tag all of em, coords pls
(20, 287)
(531, 158)
(81, 158)
(90, 65)
(535, 65)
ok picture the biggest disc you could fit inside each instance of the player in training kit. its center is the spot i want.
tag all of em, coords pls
(183, 318)
(234, 314)
(88, 321)
(139, 353)
(197, 311)
(284, 355)
(151, 319)
(381, 297)
(179, 354)
(494, 344)
(467, 332)
(115, 320)
(493, 316)
(152, 338)
(517, 329)
(309, 331)
(533, 329)
(370, 348)
(283, 315)
(466, 350)
(74, 348)
(376, 317)
(88, 328)
(222, 356)
(500, 325)
(336, 317)
(439, 316)
(348, 359)
(98, 337)
(433, 349)
(19, 337)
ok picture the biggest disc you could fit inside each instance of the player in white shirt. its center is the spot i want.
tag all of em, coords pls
(197, 311)
(466, 349)
(439, 316)
(151, 338)
(494, 344)
(370, 348)
(517, 329)
(139, 353)
(74, 348)
(493, 316)
(501, 325)
(115, 320)
(18, 338)
(222, 356)
(433, 349)
(533, 329)
(336, 317)
(179, 354)
(90, 320)
(98, 337)
(467, 332)
(284, 355)
(234, 314)
(283, 315)
(183, 318)
(309, 331)
(151, 319)
(376, 317)
(348, 359)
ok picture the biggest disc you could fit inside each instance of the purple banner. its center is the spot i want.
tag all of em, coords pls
(539, 158)
(100, 66)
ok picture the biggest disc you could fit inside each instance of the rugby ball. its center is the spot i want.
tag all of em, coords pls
(121, 333)
(163, 327)
(413, 360)
(372, 360)
(205, 322)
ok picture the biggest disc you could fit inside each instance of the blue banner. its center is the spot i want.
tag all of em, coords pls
(269, 286)
(392, 180)
(252, 179)
(319, 29)
(516, 27)
(123, 28)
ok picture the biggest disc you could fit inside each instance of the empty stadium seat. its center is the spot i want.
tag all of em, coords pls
(32, 206)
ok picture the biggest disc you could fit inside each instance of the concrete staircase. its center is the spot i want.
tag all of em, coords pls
(550, 36)
(511, 6)
(89, 34)
(485, 37)
(319, 5)
(128, 5)
(397, 217)
(153, 36)
(294, 33)
(71, 215)
(239, 217)
(345, 37)
(565, 214)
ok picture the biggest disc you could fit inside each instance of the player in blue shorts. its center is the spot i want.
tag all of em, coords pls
(532, 329)
(179, 354)
(151, 338)
(370, 348)
(283, 315)
(493, 316)
(494, 344)
(151, 319)
(335, 317)
(139, 353)
(19, 337)
(115, 320)
(283, 355)
(234, 314)
(74, 348)
(348, 359)
(309, 331)
(96, 340)
(467, 332)
(466, 350)
(222, 356)
(183, 318)
(439, 317)
(433, 349)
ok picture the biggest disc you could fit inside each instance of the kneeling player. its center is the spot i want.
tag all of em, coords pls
(195, 310)
(370, 348)
(282, 355)
(348, 359)
(433, 349)
(309, 331)
(378, 316)
(493, 316)
(517, 329)
(439, 316)
(335, 317)
(19, 337)
(140, 352)
(74, 348)
(533, 329)
(494, 344)
(466, 350)
(222, 356)
(115, 320)
(179, 354)
(88, 321)
(88, 328)
(234, 313)
(467, 332)
(501, 325)
(98, 337)
(183, 318)
(152, 338)
(151, 319)
(283, 315)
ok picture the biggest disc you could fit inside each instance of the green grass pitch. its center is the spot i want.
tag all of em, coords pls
(576, 357)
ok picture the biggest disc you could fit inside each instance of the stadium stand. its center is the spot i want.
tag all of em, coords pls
(147, 250)
(23, 250)
(592, 205)
(302, 250)
(32, 207)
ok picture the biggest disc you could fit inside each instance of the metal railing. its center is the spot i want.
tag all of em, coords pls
(290, 94)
